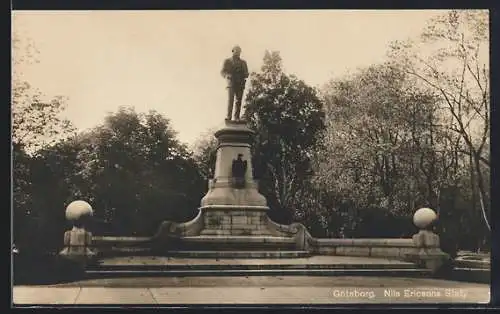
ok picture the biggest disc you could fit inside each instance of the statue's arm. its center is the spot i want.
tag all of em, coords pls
(226, 69)
(245, 69)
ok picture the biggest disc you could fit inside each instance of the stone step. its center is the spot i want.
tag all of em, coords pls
(317, 265)
(227, 252)
(200, 247)
(239, 239)
(96, 273)
(224, 266)
(197, 250)
(476, 264)
(236, 243)
(239, 254)
(126, 251)
(479, 275)
(205, 243)
(279, 246)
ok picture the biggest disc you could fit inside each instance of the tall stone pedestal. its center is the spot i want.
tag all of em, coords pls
(231, 210)
(234, 140)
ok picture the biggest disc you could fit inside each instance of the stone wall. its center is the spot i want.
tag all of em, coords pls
(385, 248)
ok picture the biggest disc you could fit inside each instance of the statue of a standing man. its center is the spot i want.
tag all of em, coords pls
(235, 70)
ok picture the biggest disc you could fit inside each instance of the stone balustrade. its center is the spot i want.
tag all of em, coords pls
(388, 248)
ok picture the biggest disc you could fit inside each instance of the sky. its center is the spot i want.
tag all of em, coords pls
(170, 61)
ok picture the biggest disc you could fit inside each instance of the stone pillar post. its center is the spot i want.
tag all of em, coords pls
(78, 241)
(430, 254)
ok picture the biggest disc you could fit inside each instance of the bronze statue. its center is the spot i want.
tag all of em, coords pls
(235, 70)
(239, 169)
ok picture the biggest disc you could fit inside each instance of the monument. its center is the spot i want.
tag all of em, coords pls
(232, 220)
(232, 205)
(232, 208)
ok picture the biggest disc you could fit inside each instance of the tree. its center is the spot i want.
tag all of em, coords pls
(385, 150)
(21, 191)
(205, 154)
(369, 134)
(451, 59)
(53, 171)
(136, 173)
(36, 123)
(287, 116)
(36, 119)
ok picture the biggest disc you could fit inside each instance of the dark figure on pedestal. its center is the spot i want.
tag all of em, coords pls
(239, 169)
(235, 71)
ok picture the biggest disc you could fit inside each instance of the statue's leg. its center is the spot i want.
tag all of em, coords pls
(239, 96)
(230, 103)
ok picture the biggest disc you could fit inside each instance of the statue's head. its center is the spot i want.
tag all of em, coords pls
(236, 51)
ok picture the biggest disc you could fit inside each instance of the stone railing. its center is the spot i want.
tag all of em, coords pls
(388, 248)
(423, 248)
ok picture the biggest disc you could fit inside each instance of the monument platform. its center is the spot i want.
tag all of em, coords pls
(232, 225)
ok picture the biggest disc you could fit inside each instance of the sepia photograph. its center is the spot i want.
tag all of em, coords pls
(250, 157)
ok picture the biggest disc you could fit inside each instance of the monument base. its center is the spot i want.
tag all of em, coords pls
(232, 216)
(235, 220)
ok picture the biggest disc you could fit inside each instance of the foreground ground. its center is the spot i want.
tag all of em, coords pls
(254, 290)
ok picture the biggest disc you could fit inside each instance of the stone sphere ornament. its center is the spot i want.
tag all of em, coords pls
(77, 210)
(424, 217)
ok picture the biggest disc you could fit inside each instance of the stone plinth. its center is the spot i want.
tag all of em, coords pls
(77, 246)
(227, 209)
(233, 140)
(230, 210)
